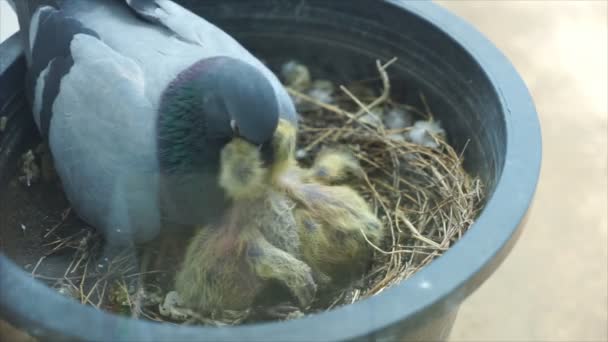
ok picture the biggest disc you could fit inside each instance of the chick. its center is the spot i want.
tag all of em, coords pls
(296, 75)
(242, 174)
(331, 166)
(333, 221)
(242, 171)
(333, 224)
(286, 226)
(228, 265)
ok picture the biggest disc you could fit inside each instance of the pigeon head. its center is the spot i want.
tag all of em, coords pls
(208, 105)
(214, 102)
(239, 97)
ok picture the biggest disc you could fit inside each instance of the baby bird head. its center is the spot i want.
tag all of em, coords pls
(332, 166)
(242, 173)
(246, 172)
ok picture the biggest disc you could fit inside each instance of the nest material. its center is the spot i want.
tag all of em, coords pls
(421, 193)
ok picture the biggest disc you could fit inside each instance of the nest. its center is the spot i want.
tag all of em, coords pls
(421, 192)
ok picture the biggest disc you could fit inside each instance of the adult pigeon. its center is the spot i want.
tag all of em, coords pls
(137, 99)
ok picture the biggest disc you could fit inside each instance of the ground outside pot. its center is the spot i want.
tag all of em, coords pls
(470, 85)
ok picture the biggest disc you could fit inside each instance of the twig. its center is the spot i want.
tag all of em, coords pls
(38, 264)
(64, 216)
(319, 140)
(386, 91)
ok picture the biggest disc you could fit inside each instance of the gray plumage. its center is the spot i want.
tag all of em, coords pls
(98, 72)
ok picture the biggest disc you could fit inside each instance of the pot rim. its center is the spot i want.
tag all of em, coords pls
(444, 282)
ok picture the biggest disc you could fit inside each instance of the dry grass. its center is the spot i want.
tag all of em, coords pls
(92, 277)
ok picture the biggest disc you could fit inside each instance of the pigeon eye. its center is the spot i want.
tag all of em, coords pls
(235, 128)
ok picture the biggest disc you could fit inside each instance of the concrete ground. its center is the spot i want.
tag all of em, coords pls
(553, 287)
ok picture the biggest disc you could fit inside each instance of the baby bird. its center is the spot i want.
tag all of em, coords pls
(333, 221)
(287, 225)
(228, 265)
(332, 166)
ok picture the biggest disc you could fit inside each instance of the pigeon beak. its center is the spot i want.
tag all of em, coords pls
(236, 133)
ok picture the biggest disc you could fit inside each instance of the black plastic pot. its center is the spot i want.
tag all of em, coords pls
(470, 85)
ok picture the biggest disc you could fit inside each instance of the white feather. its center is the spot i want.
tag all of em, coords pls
(397, 119)
(423, 133)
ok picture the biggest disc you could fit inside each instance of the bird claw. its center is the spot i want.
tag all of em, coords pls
(322, 279)
(281, 311)
(306, 291)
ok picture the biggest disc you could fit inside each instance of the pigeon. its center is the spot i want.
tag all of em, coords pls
(136, 99)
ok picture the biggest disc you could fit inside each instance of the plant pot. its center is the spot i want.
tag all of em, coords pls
(471, 88)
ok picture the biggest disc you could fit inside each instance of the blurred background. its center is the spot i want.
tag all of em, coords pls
(554, 285)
